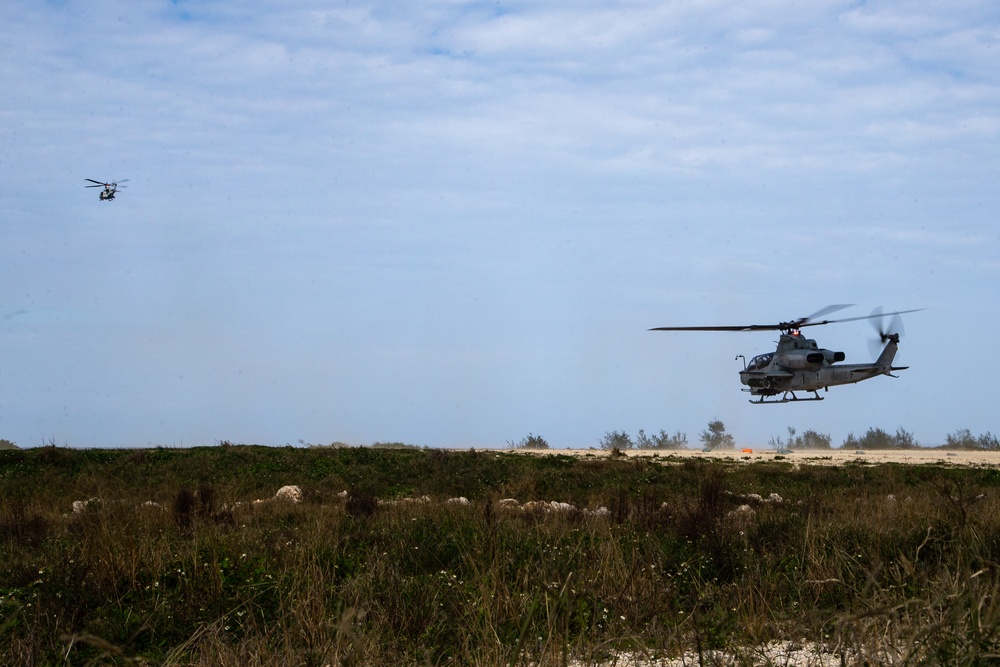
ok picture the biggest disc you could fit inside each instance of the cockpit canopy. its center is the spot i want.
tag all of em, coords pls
(760, 362)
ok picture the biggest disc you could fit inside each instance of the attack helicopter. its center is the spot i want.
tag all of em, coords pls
(108, 193)
(799, 364)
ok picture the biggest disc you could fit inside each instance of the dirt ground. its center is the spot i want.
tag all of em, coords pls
(984, 459)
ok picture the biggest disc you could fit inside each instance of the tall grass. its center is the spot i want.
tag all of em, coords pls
(876, 565)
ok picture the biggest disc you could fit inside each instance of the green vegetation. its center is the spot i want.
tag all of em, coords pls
(715, 436)
(876, 438)
(620, 441)
(530, 441)
(887, 564)
(616, 441)
(963, 439)
(662, 440)
(808, 440)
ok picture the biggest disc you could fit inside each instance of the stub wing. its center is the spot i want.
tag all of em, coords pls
(776, 375)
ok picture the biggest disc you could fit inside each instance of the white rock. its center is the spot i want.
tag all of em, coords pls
(290, 492)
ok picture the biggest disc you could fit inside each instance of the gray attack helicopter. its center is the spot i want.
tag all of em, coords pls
(799, 364)
(108, 193)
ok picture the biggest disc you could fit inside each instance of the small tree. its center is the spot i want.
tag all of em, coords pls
(530, 441)
(678, 440)
(715, 437)
(963, 439)
(876, 438)
(616, 440)
(960, 439)
(808, 440)
(812, 440)
(643, 441)
(903, 439)
(988, 441)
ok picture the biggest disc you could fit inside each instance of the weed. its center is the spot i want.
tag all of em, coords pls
(880, 564)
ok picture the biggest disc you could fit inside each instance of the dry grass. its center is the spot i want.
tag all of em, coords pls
(893, 565)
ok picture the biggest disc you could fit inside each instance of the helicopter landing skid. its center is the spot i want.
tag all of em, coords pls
(784, 398)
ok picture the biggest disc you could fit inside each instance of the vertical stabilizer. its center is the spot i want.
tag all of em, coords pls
(884, 362)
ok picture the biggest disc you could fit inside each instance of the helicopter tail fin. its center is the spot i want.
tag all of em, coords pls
(884, 362)
(888, 337)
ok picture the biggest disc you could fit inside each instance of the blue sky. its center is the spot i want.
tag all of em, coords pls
(452, 223)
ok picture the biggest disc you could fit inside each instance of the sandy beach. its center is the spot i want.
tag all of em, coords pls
(919, 456)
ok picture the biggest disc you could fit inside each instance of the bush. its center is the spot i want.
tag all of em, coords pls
(531, 441)
(876, 438)
(678, 440)
(808, 440)
(963, 439)
(813, 440)
(613, 440)
(662, 440)
(715, 437)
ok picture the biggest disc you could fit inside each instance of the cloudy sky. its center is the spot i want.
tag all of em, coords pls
(451, 223)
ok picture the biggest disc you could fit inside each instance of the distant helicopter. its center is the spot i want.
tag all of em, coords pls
(108, 193)
(798, 364)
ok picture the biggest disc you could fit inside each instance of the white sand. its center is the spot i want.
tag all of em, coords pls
(986, 459)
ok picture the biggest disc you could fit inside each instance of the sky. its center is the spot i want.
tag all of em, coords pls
(452, 223)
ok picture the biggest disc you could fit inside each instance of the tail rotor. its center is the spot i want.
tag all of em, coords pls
(891, 331)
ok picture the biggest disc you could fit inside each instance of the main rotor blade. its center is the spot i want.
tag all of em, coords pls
(863, 317)
(829, 309)
(748, 327)
(93, 181)
(785, 326)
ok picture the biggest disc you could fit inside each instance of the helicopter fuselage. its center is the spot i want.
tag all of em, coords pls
(110, 188)
(799, 364)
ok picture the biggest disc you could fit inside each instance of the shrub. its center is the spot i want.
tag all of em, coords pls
(808, 440)
(813, 440)
(715, 436)
(876, 438)
(662, 440)
(530, 441)
(643, 441)
(678, 440)
(616, 440)
(988, 441)
(963, 439)
(361, 504)
(960, 439)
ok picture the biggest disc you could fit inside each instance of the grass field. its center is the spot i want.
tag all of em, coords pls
(645, 557)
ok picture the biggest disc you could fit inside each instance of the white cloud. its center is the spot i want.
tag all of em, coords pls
(391, 175)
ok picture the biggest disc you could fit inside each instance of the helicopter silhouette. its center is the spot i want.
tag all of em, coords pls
(108, 193)
(799, 364)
